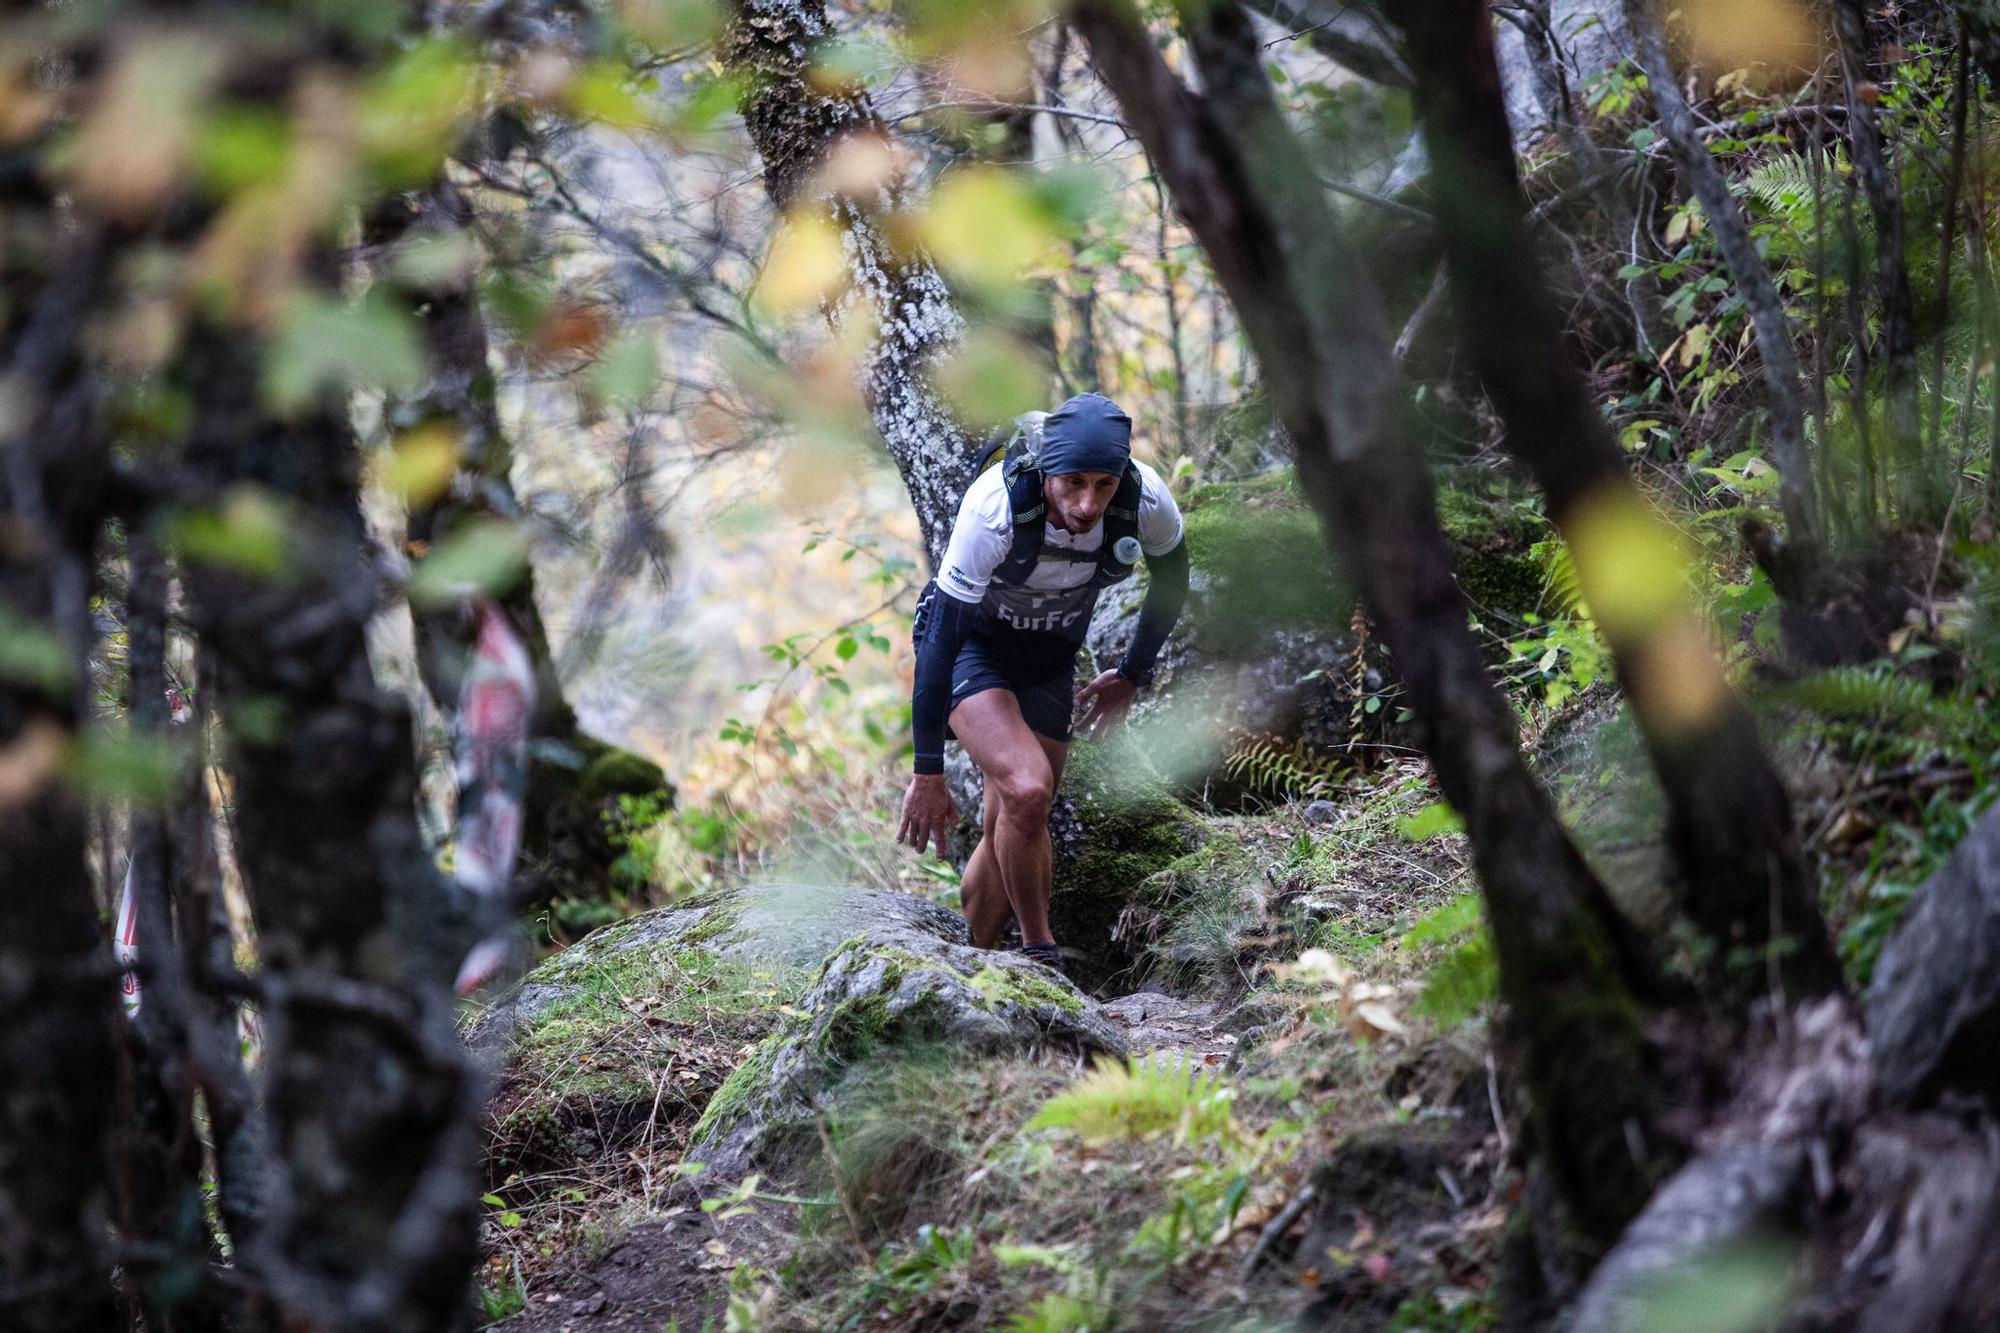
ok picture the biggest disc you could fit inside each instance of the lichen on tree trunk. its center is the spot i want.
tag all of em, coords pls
(799, 122)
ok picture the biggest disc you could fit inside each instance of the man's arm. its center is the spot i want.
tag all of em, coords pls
(1166, 594)
(951, 623)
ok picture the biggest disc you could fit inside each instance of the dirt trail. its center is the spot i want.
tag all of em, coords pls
(674, 1272)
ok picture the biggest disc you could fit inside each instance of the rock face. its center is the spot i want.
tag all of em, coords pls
(622, 1039)
(1934, 1006)
(893, 984)
(776, 926)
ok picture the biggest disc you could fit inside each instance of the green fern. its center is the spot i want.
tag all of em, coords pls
(1784, 185)
(1287, 771)
(1561, 594)
(1137, 1099)
(1878, 695)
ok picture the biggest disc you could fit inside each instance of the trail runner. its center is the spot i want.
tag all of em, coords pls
(1067, 513)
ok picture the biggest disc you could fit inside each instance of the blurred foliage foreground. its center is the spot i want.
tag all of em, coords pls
(329, 328)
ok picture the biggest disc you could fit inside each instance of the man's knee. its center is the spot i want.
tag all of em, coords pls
(1025, 793)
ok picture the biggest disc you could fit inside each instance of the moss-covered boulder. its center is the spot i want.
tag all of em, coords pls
(1115, 822)
(1492, 529)
(894, 985)
(628, 1032)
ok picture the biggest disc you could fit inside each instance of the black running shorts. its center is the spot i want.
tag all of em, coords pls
(1047, 691)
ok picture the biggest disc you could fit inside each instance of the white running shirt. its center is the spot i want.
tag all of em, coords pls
(1056, 597)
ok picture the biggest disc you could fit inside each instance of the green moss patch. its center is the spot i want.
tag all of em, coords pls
(1266, 562)
(638, 1039)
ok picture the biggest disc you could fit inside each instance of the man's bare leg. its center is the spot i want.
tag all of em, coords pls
(1021, 770)
(982, 894)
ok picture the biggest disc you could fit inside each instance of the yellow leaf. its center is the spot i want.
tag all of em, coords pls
(1629, 563)
(139, 133)
(1376, 1015)
(1693, 344)
(29, 762)
(984, 225)
(1733, 34)
(421, 463)
(803, 267)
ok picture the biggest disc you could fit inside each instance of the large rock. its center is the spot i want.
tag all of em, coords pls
(1934, 1006)
(620, 1040)
(894, 985)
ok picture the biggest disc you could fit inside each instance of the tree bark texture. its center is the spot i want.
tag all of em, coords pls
(58, 1002)
(1875, 1161)
(1915, 487)
(1568, 963)
(370, 1105)
(1731, 229)
(564, 842)
(798, 124)
(1730, 824)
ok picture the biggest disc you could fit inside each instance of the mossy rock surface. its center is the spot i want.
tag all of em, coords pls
(1266, 651)
(890, 987)
(1491, 529)
(636, 1025)
(1115, 826)
(1263, 561)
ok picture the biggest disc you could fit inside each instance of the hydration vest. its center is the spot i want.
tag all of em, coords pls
(1021, 474)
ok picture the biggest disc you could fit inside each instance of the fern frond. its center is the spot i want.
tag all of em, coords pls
(1877, 694)
(1784, 185)
(1283, 770)
(1562, 593)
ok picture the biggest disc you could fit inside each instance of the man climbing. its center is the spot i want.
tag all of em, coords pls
(1066, 514)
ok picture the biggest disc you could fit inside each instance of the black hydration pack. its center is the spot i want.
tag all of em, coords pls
(1022, 475)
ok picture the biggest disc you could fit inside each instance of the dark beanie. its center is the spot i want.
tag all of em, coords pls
(1089, 433)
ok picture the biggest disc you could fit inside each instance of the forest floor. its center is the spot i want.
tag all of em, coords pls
(1201, 1218)
(1314, 1123)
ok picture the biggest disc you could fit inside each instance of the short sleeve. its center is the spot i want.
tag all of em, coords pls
(1159, 516)
(980, 539)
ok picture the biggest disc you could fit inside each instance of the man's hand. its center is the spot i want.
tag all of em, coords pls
(1105, 701)
(928, 814)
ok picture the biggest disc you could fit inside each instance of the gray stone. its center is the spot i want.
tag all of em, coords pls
(774, 924)
(891, 985)
(1933, 1009)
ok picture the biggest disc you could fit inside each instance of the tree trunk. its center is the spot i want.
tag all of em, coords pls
(1730, 821)
(564, 842)
(58, 1005)
(798, 124)
(160, 1152)
(1916, 487)
(370, 1105)
(1753, 277)
(1568, 963)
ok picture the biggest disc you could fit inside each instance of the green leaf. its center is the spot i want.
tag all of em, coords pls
(846, 648)
(482, 559)
(133, 767)
(241, 147)
(249, 532)
(328, 346)
(628, 370)
(413, 111)
(1434, 820)
(31, 654)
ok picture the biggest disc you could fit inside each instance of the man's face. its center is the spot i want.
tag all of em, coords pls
(1077, 499)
